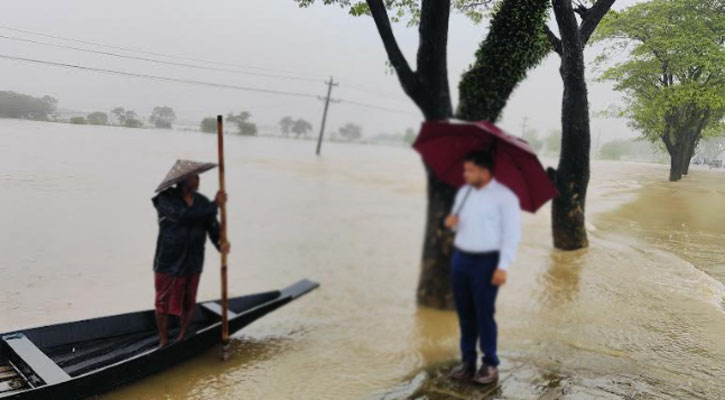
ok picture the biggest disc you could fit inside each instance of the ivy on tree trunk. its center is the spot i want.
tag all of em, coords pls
(516, 42)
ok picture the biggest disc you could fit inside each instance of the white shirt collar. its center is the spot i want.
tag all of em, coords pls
(490, 185)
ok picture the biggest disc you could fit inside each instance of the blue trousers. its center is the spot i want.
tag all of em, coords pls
(475, 299)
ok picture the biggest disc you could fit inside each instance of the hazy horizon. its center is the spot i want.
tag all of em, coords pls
(274, 37)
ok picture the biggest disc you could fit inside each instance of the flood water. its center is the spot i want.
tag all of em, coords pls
(637, 315)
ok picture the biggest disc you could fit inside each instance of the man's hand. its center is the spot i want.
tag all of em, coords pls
(452, 221)
(225, 247)
(221, 198)
(499, 277)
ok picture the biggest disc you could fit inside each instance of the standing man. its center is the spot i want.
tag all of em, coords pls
(185, 219)
(487, 219)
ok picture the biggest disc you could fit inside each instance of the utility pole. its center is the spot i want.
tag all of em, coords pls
(327, 100)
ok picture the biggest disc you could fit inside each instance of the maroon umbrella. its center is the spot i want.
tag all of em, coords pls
(444, 144)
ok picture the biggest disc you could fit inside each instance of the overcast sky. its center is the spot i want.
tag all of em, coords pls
(273, 37)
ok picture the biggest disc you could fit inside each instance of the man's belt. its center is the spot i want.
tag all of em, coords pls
(478, 254)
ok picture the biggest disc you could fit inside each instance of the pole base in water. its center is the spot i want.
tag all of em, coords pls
(225, 351)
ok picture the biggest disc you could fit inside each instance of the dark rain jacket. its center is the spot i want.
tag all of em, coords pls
(182, 232)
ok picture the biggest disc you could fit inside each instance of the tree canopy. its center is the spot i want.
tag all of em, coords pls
(208, 125)
(350, 131)
(285, 125)
(162, 117)
(243, 122)
(18, 105)
(300, 127)
(97, 118)
(674, 76)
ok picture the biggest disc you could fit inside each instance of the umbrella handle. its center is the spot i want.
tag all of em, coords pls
(463, 202)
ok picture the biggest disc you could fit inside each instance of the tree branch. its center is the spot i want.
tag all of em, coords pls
(592, 18)
(406, 76)
(555, 41)
(432, 70)
(568, 28)
(485, 3)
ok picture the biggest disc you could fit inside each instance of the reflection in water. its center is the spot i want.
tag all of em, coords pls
(561, 281)
(639, 314)
(436, 335)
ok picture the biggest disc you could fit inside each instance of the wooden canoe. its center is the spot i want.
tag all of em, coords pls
(78, 359)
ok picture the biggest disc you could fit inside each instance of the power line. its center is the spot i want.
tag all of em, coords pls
(157, 77)
(155, 53)
(157, 61)
(358, 88)
(194, 82)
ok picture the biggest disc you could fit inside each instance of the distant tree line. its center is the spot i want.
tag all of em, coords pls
(242, 121)
(18, 105)
(298, 126)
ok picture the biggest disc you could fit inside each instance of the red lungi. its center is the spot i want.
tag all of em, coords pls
(175, 295)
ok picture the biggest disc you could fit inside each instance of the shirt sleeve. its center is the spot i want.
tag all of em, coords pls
(213, 228)
(175, 210)
(511, 230)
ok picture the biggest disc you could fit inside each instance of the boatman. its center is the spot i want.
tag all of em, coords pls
(185, 219)
(487, 219)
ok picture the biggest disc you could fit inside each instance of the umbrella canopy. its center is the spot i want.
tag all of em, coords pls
(183, 169)
(444, 144)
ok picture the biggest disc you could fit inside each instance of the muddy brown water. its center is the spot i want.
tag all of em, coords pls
(637, 315)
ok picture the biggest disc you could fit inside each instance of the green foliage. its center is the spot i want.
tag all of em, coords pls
(18, 105)
(408, 11)
(628, 149)
(118, 113)
(132, 121)
(301, 127)
(126, 118)
(163, 117)
(614, 150)
(208, 125)
(78, 120)
(285, 125)
(516, 42)
(97, 118)
(243, 122)
(712, 148)
(350, 131)
(674, 77)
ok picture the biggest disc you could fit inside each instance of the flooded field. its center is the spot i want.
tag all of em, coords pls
(637, 315)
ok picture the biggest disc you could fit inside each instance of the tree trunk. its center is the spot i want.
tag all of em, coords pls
(499, 56)
(687, 156)
(434, 284)
(675, 164)
(428, 88)
(572, 174)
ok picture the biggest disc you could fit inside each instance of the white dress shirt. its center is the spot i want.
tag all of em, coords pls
(490, 220)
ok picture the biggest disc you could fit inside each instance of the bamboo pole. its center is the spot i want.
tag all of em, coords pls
(223, 239)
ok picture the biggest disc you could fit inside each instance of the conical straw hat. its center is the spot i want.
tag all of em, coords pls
(181, 170)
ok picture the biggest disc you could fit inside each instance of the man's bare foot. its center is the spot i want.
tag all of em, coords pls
(163, 343)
